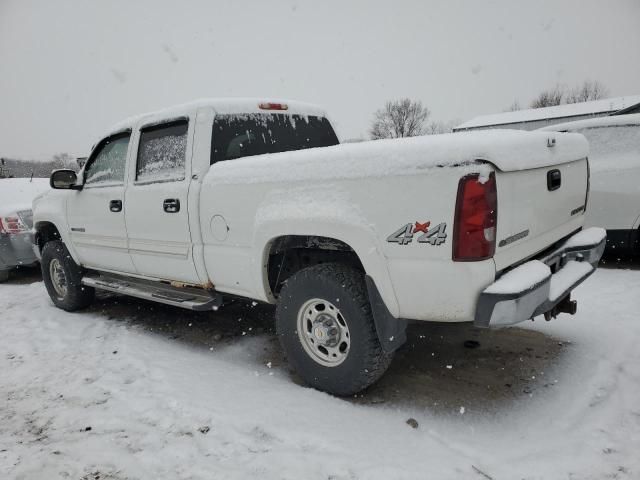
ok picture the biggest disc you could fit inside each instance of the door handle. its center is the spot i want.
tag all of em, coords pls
(554, 179)
(171, 205)
(115, 205)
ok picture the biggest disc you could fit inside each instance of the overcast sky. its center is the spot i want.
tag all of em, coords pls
(70, 69)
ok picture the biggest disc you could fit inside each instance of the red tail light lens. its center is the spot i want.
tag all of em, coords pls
(273, 106)
(474, 228)
(12, 225)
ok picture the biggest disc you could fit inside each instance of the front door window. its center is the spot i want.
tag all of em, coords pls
(108, 165)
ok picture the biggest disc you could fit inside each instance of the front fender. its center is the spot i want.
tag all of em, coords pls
(52, 208)
(324, 212)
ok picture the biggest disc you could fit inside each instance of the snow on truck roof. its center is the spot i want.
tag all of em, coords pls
(228, 105)
(559, 111)
(608, 121)
(508, 150)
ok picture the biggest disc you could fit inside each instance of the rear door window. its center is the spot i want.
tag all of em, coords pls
(244, 135)
(107, 166)
(162, 152)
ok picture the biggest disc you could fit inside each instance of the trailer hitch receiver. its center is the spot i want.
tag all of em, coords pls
(566, 305)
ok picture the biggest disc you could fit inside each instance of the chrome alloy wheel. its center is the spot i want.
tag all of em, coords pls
(323, 332)
(58, 278)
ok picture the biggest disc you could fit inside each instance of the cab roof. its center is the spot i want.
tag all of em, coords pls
(222, 106)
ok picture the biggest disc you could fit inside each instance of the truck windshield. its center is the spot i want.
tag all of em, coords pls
(236, 136)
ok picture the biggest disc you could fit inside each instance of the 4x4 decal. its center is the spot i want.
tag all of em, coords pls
(433, 236)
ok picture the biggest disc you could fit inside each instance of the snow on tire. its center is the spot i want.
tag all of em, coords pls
(325, 325)
(62, 278)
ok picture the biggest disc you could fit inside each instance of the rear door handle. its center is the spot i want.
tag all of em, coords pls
(115, 205)
(171, 205)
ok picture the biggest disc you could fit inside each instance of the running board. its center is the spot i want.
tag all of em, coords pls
(191, 298)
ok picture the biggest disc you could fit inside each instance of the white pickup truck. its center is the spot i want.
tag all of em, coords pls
(256, 199)
(614, 158)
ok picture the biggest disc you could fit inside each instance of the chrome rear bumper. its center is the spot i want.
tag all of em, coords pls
(540, 286)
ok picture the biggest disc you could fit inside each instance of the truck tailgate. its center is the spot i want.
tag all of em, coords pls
(537, 207)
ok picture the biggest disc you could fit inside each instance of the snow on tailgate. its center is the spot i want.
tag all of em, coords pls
(509, 150)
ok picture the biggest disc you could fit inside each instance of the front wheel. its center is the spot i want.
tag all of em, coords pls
(325, 326)
(63, 278)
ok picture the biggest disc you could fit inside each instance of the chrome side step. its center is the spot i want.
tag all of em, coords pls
(191, 298)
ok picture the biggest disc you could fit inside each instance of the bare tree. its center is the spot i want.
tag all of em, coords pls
(549, 98)
(64, 160)
(438, 127)
(514, 107)
(589, 90)
(400, 118)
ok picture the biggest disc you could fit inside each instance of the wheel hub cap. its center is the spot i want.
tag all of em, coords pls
(323, 332)
(58, 278)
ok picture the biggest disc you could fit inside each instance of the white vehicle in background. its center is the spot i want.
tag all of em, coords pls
(16, 195)
(198, 202)
(614, 158)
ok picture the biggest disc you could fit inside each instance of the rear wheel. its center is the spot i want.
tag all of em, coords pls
(326, 328)
(62, 278)
(4, 275)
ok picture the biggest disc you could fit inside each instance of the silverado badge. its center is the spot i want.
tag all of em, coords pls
(433, 236)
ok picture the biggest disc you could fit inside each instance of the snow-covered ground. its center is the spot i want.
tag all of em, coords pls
(130, 390)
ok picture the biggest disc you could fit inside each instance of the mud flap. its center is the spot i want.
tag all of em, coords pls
(391, 331)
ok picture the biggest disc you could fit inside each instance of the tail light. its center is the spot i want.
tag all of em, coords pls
(273, 106)
(474, 228)
(12, 225)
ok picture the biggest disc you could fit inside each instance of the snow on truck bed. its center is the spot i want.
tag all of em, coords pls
(507, 149)
(18, 193)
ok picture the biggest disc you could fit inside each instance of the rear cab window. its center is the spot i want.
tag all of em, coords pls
(244, 135)
(162, 152)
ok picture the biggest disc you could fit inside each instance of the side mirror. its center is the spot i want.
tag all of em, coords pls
(64, 180)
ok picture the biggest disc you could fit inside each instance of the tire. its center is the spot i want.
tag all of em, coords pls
(4, 276)
(353, 358)
(57, 261)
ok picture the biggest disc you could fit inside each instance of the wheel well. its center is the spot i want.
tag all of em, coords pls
(289, 254)
(45, 232)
